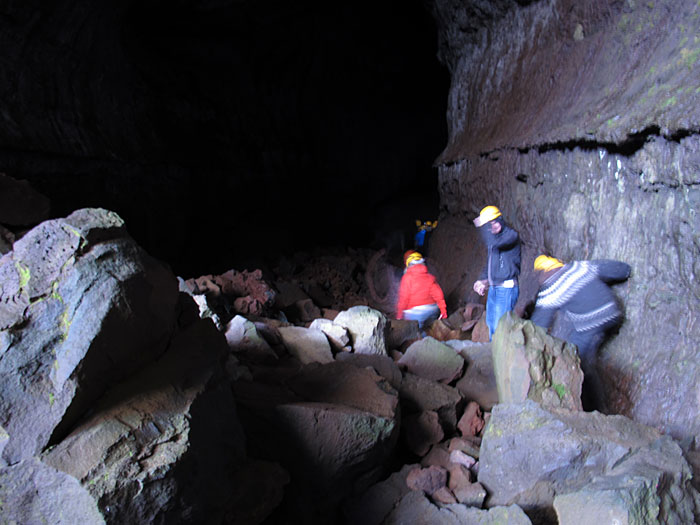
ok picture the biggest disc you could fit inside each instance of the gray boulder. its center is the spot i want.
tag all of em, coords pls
(367, 329)
(337, 335)
(530, 455)
(433, 360)
(478, 383)
(419, 394)
(165, 443)
(81, 307)
(32, 492)
(529, 364)
(384, 365)
(243, 338)
(309, 346)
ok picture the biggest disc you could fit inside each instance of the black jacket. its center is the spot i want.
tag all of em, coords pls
(580, 290)
(503, 254)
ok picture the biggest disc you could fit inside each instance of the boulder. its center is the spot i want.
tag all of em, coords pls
(303, 311)
(419, 394)
(337, 335)
(429, 479)
(165, 443)
(480, 330)
(531, 455)
(7, 239)
(243, 338)
(259, 490)
(382, 364)
(478, 383)
(309, 346)
(81, 307)
(366, 327)
(529, 364)
(401, 333)
(33, 492)
(342, 383)
(433, 360)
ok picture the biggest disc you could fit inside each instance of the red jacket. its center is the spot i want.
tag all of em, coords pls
(418, 287)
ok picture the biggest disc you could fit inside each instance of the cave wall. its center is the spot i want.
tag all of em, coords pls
(580, 120)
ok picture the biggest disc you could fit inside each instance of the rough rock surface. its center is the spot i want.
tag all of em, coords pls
(433, 360)
(153, 438)
(529, 455)
(81, 307)
(366, 327)
(309, 346)
(580, 120)
(529, 364)
(478, 383)
(20, 204)
(32, 492)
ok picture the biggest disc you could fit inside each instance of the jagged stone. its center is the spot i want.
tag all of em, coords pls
(465, 445)
(478, 383)
(529, 364)
(242, 337)
(309, 346)
(337, 335)
(93, 307)
(165, 443)
(433, 360)
(366, 327)
(419, 394)
(437, 456)
(33, 492)
(472, 422)
(560, 452)
(429, 479)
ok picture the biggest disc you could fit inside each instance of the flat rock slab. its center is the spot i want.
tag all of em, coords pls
(309, 346)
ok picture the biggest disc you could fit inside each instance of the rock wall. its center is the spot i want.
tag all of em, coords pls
(580, 121)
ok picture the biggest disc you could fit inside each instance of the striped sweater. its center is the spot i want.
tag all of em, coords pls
(580, 291)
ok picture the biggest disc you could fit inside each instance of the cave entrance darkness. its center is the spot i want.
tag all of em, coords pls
(300, 125)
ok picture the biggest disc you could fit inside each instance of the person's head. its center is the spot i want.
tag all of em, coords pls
(544, 263)
(412, 257)
(488, 215)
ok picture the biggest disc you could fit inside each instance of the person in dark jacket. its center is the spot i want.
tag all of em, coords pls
(420, 296)
(586, 309)
(500, 275)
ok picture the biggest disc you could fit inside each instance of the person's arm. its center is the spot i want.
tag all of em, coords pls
(439, 298)
(506, 239)
(611, 271)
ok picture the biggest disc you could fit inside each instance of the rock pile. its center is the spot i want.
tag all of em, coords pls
(125, 398)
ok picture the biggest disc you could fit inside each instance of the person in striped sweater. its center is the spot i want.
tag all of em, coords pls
(586, 309)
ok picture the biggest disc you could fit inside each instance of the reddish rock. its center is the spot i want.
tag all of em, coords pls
(480, 332)
(438, 456)
(444, 495)
(429, 480)
(472, 422)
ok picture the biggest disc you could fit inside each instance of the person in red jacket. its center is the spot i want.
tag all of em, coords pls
(420, 296)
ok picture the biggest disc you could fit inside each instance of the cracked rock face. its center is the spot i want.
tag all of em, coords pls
(579, 120)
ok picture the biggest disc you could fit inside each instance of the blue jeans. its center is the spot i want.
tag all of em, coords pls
(423, 313)
(499, 301)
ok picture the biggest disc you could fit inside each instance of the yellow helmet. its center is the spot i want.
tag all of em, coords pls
(545, 263)
(411, 257)
(487, 214)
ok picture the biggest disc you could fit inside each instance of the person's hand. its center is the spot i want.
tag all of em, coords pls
(480, 286)
(443, 316)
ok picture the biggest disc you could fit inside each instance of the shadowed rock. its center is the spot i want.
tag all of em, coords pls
(32, 492)
(529, 364)
(20, 204)
(81, 307)
(242, 337)
(309, 346)
(478, 383)
(165, 443)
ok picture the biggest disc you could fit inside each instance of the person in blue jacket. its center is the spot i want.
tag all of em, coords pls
(586, 308)
(500, 275)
